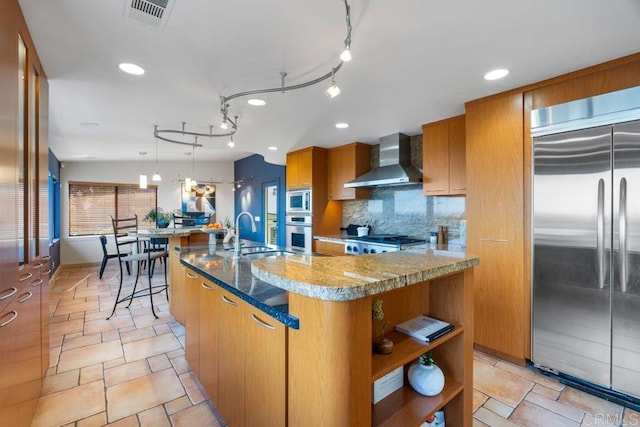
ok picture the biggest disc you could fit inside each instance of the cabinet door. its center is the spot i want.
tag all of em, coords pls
(435, 158)
(495, 217)
(291, 171)
(329, 248)
(305, 166)
(457, 156)
(334, 175)
(192, 324)
(231, 364)
(177, 290)
(265, 369)
(209, 314)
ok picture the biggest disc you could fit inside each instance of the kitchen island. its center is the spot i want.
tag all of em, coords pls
(298, 349)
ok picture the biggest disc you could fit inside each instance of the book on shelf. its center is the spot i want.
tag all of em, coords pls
(425, 328)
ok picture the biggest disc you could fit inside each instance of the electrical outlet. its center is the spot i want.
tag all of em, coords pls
(257, 219)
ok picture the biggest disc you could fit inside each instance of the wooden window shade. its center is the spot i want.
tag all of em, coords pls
(91, 206)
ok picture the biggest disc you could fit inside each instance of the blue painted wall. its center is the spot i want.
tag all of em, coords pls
(252, 173)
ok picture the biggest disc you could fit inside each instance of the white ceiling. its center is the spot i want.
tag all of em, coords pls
(414, 61)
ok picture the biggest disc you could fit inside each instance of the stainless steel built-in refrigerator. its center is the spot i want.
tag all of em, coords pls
(586, 243)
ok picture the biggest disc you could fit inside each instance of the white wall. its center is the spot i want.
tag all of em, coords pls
(81, 250)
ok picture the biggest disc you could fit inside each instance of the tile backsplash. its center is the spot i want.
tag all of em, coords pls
(405, 210)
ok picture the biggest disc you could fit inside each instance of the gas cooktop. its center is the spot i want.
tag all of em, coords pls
(391, 239)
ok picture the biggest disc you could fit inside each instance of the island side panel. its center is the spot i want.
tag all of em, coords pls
(330, 362)
(457, 355)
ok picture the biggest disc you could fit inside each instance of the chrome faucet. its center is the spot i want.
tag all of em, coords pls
(236, 243)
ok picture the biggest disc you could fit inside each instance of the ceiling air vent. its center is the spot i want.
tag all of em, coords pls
(149, 12)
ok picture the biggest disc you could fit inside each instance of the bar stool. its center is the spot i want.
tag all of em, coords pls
(121, 229)
(107, 256)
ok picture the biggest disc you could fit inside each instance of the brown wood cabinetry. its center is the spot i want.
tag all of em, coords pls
(338, 335)
(192, 320)
(444, 157)
(209, 298)
(299, 173)
(231, 360)
(325, 247)
(177, 289)
(345, 163)
(266, 371)
(495, 222)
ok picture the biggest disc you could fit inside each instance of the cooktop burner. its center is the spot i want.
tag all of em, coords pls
(393, 239)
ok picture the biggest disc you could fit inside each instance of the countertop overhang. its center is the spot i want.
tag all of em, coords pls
(345, 278)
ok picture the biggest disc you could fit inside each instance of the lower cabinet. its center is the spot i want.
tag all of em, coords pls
(177, 291)
(266, 373)
(231, 359)
(238, 353)
(21, 352)
(325, 247)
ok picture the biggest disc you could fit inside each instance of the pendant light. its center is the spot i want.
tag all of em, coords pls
(156, 176)
(194, 183)
(142, 180)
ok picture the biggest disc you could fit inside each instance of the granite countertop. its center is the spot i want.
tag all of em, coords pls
(344, 278)
(217, 263)
(337, 238)
(167, 232)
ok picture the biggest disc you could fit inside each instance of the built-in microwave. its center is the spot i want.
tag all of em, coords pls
(299, 201)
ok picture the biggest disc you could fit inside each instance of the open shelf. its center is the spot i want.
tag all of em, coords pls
(406, 407)
(405, 349)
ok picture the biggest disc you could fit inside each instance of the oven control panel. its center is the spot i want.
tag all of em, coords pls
(359, 248)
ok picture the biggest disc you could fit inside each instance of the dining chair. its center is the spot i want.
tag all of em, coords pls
(122, 227)
(184, 221)
(106, 256)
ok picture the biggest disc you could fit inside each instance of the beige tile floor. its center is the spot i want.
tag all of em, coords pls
(131, 370)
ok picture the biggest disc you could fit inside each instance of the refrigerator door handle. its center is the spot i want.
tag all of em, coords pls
(622, 224)
(600, 236)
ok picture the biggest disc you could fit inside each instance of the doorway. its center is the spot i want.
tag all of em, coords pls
(271, 213)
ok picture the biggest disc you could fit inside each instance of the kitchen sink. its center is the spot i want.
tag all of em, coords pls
(265, 253)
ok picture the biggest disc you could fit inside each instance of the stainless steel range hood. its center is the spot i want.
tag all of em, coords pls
(395, 165)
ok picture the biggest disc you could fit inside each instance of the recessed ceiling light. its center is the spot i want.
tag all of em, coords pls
(88, 124)
(257, 102)
(272, 148)
(342, 125)
(129, 68)
(496, 74)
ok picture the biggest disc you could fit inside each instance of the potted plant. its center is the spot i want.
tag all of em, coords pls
(160, 218)
(382, 345)
(425, 376)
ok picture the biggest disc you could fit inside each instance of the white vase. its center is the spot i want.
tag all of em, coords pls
(426, 379)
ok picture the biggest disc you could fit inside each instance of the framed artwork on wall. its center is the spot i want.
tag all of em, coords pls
(199, 199)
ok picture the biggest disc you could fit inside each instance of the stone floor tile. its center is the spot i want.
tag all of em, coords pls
(492, 419)
(54, 356)
(178, 405)
(101, 325)
(76, 307)
(59, 382)
(499, 384)
(136, 334)
(113, 363)
(589, 403)
(547, 392)
(176, 353)
(91, 373)
(478, 399)
(498, 407)
(79, 315)
(194, 390)
(70, 343)
(486, 358)
(97, 420)
(89, 355)
(162, 329)
(70, 405)
(530, 374)
(68, 327)
(110, 335)
(477, 423)
(199, 415)
(180, 364)
(148, 347)
(131, 421)
(58, 319)
(531, 415)
(154, 417)
(126, 372)
(142, 393)
(159, 362)
(555, 406)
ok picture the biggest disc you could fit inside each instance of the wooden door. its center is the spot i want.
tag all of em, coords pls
(265, 369)
(231, 354)
(291, 171)
(177, 290)
(305, 167)
(334, 175)
(209, 326)
(435, 158)
(495, 218)
(192, 320)
(457, 156)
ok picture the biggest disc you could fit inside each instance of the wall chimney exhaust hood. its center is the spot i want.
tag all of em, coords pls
(395, 165)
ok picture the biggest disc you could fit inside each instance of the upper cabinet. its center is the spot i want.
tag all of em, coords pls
(345, 163)
(300, 168)
(444, 157)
